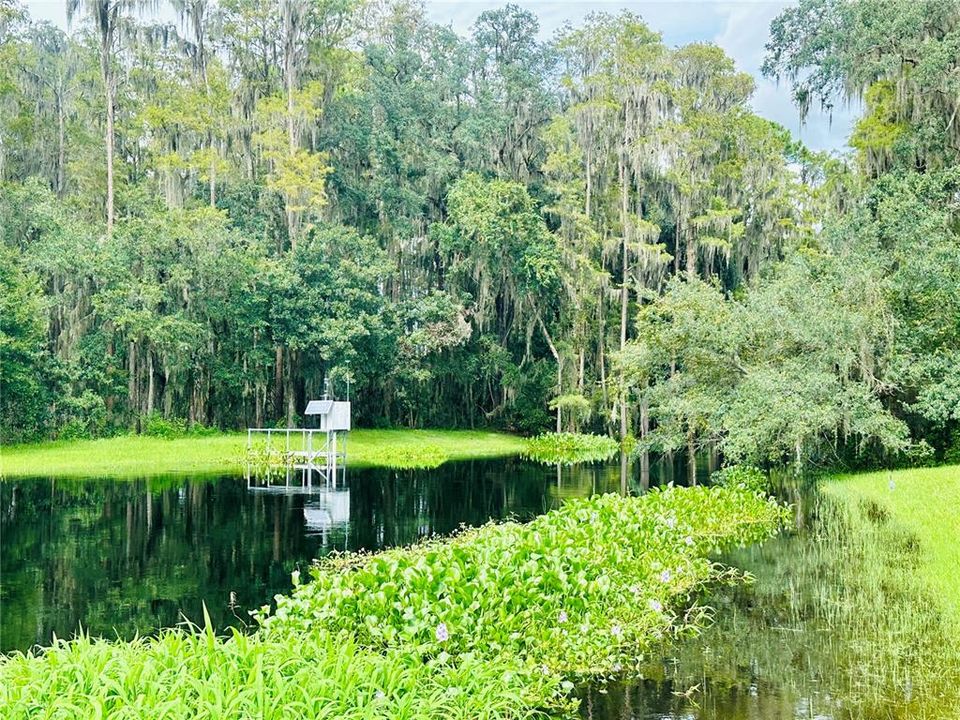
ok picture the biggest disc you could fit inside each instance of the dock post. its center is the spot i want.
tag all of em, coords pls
(333, 461)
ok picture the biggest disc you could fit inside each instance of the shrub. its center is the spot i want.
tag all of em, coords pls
(155, 425)
(569, 448)
(747, 477)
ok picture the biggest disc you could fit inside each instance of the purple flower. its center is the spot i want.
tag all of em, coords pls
(442, 634)
(656, 605)
(671, 522)
(616, 631)
(688, 540)
(562, 617)
(665, 576)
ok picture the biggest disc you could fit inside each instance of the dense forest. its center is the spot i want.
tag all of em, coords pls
(204, 220)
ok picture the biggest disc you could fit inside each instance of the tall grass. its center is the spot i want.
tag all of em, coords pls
(839, 622)
(925, 504)
(494, 623)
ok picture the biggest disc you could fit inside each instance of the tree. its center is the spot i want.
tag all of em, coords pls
(107, 19)
(25, 380)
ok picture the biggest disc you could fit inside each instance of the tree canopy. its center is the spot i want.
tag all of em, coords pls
(206, 220)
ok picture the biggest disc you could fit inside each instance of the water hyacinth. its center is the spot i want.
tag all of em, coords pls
(369, 624)
(509, 585)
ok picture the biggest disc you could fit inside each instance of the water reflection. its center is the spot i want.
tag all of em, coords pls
(835, 626)
(122, 557)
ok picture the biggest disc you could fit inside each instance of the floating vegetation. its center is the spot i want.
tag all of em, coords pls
(494, 623)
(570, 448)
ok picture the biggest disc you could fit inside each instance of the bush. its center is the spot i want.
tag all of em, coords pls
(156, 425)
(569, 448)
(747, 477)
(82, 416)
(951, 455)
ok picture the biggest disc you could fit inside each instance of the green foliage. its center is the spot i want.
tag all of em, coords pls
(569, 448)
(25, 379)
(899, 55)
(189, 674)
(522, 608)
(577, 590)
(746, 477)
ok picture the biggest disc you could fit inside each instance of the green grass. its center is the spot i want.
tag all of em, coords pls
(925, 503)
(138, 456)
(494, 623)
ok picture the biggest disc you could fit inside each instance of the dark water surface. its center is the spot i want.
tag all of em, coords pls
(833, 628)
(121, 557)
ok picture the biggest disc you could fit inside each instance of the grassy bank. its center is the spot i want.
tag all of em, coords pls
(137, 455)
(494, 623)
(925, 504)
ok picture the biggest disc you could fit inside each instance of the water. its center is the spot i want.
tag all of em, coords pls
(123, 557)
(835, 627)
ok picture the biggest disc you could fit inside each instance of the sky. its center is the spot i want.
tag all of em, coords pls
(741, 28)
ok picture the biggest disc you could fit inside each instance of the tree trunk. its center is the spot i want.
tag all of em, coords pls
(691, 460)
(289, 71)
(645, 454)
(556, 356)
(691, 259)
(278, 382)
(61, 146)
(151, 388)
(107, 75)
(624, 299)
(132, 382)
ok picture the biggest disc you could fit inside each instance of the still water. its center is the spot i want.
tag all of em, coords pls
(122, 557)
(832, 628)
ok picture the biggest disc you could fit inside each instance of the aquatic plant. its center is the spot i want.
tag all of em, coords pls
(494, 623)
(569, 448)
(500, 589)
(745, 476)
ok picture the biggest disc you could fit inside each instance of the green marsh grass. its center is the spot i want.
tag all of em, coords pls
(494, 623)
(840, 620)
(925, 504)
(130, 456)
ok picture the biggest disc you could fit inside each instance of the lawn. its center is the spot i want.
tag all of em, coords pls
(926, 504)
(137, 455)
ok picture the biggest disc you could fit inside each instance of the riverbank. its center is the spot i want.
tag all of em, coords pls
(138, 456)
(923, 503)
(495, 623)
